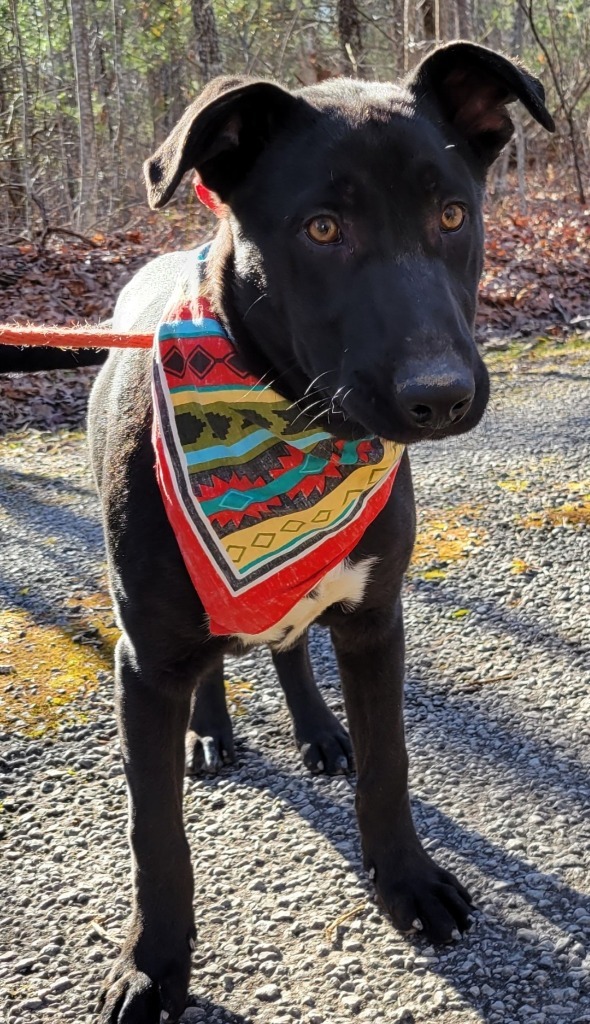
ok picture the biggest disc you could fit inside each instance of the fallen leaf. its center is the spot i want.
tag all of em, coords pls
(513, 486)
(434, 574)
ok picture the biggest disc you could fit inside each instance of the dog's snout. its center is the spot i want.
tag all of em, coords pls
(435, 404)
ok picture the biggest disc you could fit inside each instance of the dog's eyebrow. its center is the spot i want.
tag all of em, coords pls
(328, 196)
(428, 174)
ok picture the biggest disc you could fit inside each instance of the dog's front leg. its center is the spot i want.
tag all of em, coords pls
(323, 742)
(412, 888)
(153, 969)
(210, 741)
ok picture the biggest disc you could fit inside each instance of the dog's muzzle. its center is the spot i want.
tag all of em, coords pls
(435, 405)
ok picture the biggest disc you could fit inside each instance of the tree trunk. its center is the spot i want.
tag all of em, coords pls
(519, 139)
(350, 36)
(117, 141)
(517, 30)
(428, 9)
(87, 194)
(207, 45)
(397, 34)
(65, 169)
(26, 127)
(465, 18)
(406, 35)
(501, 169)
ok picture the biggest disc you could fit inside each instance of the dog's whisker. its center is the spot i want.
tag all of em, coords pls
(333, 399)
(297, 402)
(311, 389)
(251, 306)
(260, 379)
(306, 410)
(336, 398)
(315, 380)
(257, 385)
(270, 383)
(323, 412)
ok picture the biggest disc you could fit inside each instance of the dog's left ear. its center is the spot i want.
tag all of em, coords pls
(220, 135)
(471, 87)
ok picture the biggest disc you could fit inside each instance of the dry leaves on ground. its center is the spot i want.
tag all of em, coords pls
(536, 281)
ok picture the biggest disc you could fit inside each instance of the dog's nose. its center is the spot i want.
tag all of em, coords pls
(436, 404)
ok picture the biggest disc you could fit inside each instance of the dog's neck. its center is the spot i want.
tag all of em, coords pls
(257, 337)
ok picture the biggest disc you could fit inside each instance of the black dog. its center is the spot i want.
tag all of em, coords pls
(348, 262)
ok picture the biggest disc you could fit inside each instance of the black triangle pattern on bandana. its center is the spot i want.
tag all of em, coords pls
(219, 425)
(190, 428)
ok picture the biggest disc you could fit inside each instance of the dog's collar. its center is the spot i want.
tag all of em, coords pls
(262, 507)
(208, 198)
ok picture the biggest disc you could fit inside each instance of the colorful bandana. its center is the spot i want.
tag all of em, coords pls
(263, 506)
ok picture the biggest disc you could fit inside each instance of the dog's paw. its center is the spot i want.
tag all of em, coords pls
(325, 747)
(419, 896)
(207, 754)
(132, 997)
(142, 985)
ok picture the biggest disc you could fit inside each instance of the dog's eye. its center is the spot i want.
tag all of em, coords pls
(452, 217)
(323, 230)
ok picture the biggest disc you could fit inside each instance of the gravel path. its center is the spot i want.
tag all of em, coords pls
(499, 735)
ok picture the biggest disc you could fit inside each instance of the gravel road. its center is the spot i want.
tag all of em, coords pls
(498, 721)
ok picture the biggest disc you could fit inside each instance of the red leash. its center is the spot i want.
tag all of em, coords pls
(92, 336)
(72, 337)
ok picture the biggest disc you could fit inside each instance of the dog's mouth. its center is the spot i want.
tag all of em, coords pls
(328, 413)
(351, 417)
(324, 410)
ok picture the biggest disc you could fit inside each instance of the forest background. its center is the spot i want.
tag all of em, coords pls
(88, 88)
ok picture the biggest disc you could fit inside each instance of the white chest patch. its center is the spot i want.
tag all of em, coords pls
(345, 584)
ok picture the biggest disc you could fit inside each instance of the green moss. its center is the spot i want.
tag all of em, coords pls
(543, 348)
(52, 671)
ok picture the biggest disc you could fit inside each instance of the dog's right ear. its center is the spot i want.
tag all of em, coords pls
(220, 135)
(472, 87)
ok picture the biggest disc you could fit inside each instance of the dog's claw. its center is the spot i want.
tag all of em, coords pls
(212, 758)
(130, 996)
(208, 754)
(328, 751)
(421, 897)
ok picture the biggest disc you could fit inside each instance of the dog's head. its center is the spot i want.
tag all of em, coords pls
(354, 233)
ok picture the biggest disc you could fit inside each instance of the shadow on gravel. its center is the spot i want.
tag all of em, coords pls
(490, 616)
(215, 1009)
(54, 533)
(15, 486)
(334, 818)
(497, 435)
(46, 610)
(531, 764)
(41, 605)
(33, 480)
